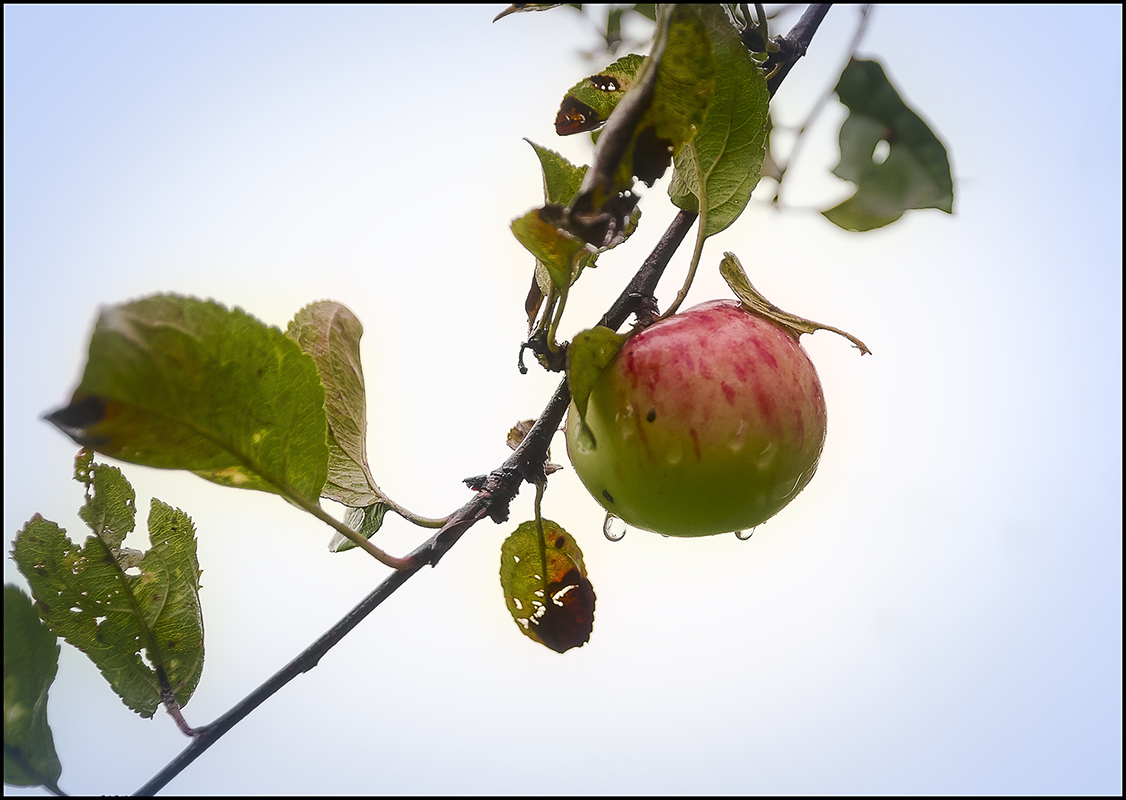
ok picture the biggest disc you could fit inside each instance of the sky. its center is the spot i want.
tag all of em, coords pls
(940, 611)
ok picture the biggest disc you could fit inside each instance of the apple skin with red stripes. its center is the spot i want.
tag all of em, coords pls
(707, 422)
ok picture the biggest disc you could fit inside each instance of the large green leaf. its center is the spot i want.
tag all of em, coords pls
(730, 146)
(179, 383)
(136, 615)
(914, 172)
(31, 661)
(546, 587)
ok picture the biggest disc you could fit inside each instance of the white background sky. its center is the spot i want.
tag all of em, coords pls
(939, 611)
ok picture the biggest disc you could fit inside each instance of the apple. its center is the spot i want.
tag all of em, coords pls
(707, 422)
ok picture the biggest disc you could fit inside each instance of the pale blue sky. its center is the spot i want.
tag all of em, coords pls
(938, 612)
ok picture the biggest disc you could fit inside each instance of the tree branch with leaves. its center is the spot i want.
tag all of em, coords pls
(178, 383)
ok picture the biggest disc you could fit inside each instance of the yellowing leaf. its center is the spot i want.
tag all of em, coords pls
(330, 333)
(545, 586)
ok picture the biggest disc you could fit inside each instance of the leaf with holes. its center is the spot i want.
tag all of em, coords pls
(135, 615)
(590, 102)
(888, 151)
(552, 604)
(31, 661)
(179, 383)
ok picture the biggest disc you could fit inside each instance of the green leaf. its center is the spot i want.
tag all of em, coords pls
(179, 383)
(364, 521)
(556, 249)
(330, 333)
(561, 178)
(561, 181)
(660, 113)
(31, 661)
(135, 615)
(731, 143)
(916, 170)
(588, 103)
(589, 354)
(552, 604)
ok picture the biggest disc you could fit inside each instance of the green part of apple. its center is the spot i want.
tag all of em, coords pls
(707, 422)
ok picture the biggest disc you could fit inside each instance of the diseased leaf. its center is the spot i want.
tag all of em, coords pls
(662, 110)
(179, 383)
(31, 661)
(913, 171)
(589, 103)
(589, 354)
(517, 433)
(753, 301)
(364, 521)
(330, 333)
(731, 143)
(552, 604)
(136, 615)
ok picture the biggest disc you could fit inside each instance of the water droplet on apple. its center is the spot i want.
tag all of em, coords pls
(675, 453)
(767, 455)
(625, 421)
(788, 489)
(743, 536)
(614, 528)
(739, 438)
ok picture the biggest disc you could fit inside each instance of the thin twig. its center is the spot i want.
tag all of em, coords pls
(861, 28)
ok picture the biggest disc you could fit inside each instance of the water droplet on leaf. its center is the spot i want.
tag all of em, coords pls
(744, 535)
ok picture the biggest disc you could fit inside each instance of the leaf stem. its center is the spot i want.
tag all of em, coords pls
(410, 516)
(315, 509)
(701, 236)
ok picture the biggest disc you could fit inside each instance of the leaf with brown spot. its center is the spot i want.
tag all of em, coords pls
(552, 604)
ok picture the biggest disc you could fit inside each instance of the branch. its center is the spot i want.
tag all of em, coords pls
(793, 46)
(495, 491)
